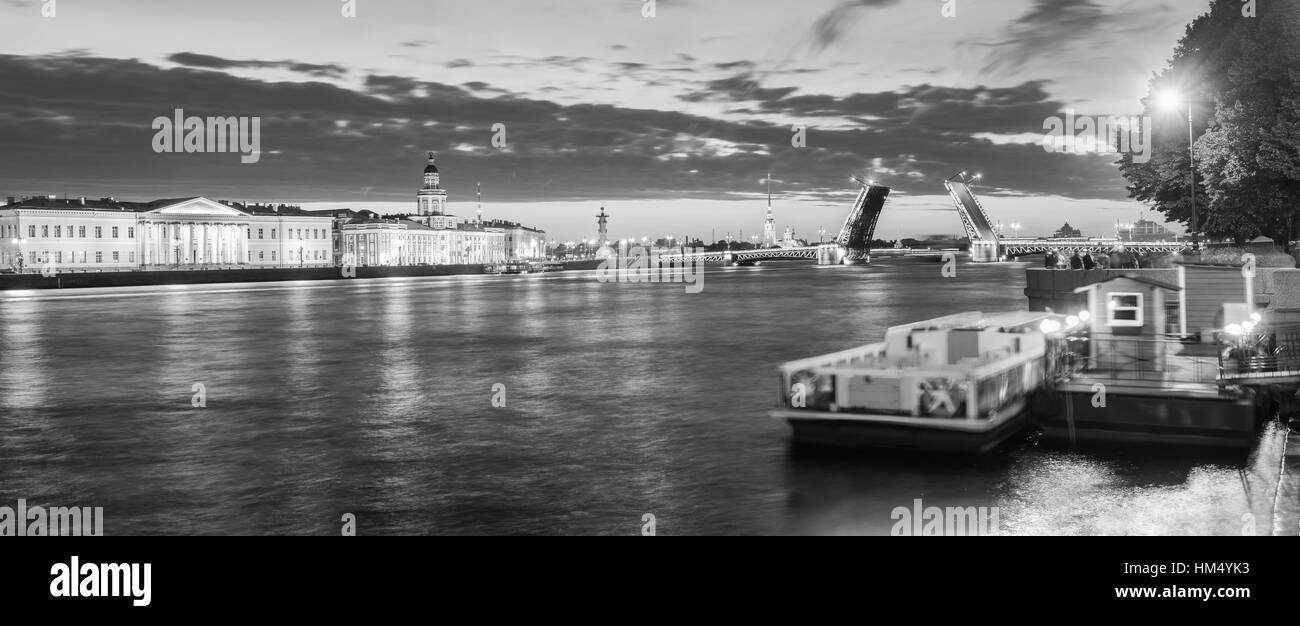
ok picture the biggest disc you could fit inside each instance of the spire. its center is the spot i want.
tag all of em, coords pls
(480, 201)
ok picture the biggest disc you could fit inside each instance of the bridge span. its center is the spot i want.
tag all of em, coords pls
(853, 243)
(851, 246)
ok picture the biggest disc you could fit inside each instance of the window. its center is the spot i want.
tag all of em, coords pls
(250, 233)
(273, 251)
(272, 234)
(58, 231)
(45, 231)
(31, 231)
(130, 232)
(99, 232)
(81, 232)
(99, 256)
(131, 258)
(261, 255)
(115, 232)
(259, 234)
(1124, 309)
(58, 257)
(115, 254)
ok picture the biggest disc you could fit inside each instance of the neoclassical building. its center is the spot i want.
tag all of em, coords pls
(108, 234)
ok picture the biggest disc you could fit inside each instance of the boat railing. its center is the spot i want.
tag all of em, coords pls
(1134, 359)
(1264, 353)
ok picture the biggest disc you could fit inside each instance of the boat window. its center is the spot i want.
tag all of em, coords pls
(1124, 309)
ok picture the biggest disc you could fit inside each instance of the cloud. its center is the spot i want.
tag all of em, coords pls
(831, 26)
(192, 59)
(1050, 26)
(325, 141)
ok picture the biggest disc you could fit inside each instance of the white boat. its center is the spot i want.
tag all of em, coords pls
(955, 383)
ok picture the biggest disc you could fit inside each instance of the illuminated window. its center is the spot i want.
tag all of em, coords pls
(1124, 309)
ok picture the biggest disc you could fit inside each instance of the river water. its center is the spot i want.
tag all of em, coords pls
(375, 398)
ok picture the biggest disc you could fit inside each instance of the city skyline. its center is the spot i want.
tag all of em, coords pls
(591, 103)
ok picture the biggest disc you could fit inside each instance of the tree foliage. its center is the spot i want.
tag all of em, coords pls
(1241, 77)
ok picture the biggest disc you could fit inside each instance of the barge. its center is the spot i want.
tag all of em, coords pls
(952, 384)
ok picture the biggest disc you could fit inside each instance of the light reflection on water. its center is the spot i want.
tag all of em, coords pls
(374, 398)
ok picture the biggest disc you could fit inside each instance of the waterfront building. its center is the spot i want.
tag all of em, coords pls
(521, 242)
(1146, 230)
(1067, 232)
(80, 234)
(431, 236)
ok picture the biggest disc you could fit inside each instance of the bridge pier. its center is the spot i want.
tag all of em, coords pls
(985, 251)
(830, 255)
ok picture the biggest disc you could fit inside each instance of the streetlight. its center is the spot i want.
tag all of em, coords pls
(176, 245)
(1171, 101)
(19, 242)
(1016, 227)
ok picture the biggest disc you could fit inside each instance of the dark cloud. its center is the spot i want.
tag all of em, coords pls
(192, 59)
(831, 26)
(325, 142)
(741, 87)
(455, 63)
(1052, 25)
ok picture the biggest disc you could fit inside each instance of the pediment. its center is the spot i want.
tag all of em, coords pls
(198, 206)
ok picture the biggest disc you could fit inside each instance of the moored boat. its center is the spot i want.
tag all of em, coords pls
(956, 383)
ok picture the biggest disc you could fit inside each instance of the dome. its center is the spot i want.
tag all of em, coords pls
(431, 168)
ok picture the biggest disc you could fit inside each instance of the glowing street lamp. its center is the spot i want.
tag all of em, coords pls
(1172, 101)
(19, 242)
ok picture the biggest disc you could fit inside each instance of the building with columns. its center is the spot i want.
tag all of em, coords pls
(185, 233)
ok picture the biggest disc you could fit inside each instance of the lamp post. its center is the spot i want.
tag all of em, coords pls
(176, 246)
(1015, 226)
(19, 242)
(1172, 101)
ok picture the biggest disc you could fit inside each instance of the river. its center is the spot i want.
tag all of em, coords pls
(376, 398)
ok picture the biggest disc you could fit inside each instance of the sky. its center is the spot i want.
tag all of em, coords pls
(671, 120)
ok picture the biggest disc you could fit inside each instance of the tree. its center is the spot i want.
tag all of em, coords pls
(1240, 76)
